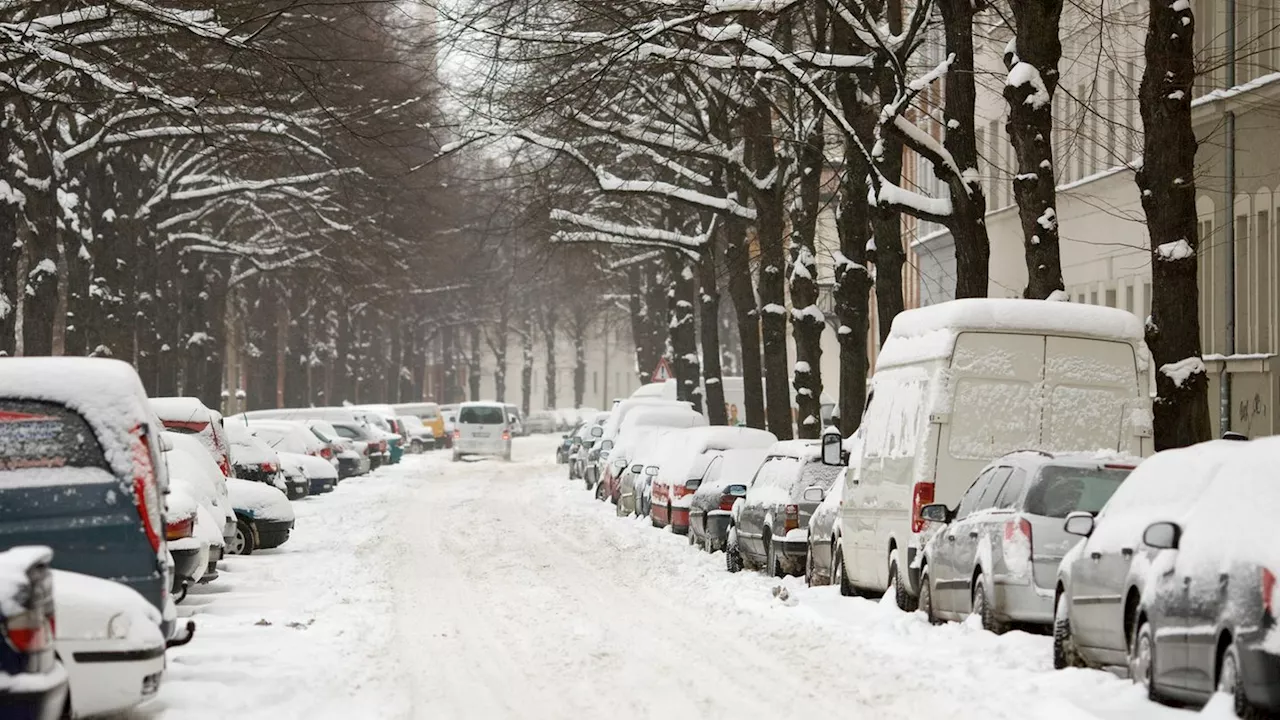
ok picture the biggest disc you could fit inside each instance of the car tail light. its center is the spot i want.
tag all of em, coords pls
(145, 497)
(179, 529)
(921, 495)
(269, 467)
(506, 434)
(726, 502)
(1015, 529)
(326, 452)
(1269, 592)
(457, 434)
(792, 521)
(30, 631)
(225, 466)
(368, 448)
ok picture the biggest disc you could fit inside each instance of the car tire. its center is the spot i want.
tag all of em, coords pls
(772, 565)
(246, 538)
(732, 557)
(599, 492)
(808, 565)
(839, 575)
(689, 533)
(1142, 658)
(1065, 654)
(901, 597)
(456, 457)
(984, 608)
(1229, 682)
(926, 597)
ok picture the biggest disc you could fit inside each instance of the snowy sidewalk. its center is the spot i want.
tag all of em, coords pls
(442, 590)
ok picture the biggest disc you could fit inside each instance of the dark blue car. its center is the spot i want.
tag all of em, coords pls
(80, 470)
(26, 638)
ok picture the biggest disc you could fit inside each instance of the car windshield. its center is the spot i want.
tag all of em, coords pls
(45, 435)
(1061, 490)
(481, 415)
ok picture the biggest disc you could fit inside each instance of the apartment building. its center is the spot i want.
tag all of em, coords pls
(1097, 140)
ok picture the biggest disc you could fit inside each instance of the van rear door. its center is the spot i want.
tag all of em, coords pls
(1091, 388)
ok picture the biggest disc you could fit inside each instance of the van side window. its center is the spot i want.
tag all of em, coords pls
(894, 419)
(1012, 490)
(971, 496)
(997, 483)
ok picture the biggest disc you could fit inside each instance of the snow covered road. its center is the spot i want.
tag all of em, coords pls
(493, 590)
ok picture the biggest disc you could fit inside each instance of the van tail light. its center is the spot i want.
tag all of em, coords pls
(457, 434)
(726, 502)
(1016, 532)
(145, 495)
(792, 521)
(921, 495)
(506, 434)
(178, 529)
(1269, 592)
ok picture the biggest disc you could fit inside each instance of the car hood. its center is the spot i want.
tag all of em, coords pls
(85, 606)
(310, 466)
(259, 500)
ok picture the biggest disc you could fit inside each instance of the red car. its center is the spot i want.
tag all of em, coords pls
(684, 467)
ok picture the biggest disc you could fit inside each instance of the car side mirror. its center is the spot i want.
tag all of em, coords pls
(606, 445)
(814, 494)
(1162, 536)
(597, 431)
(637, 469)
(1079, 523)
(738, 491)
(693, 484)
(833, 449)
(936, 512)
(651, 471)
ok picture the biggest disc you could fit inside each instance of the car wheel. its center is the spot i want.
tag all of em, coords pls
(1142, 655)
(983, 607)
(926, 597)
(456, 457)
(838, 574)
(689, 533)
(1065, 654)
(905, 602)
(808, 565)
(772, 567)
(1229, 682)
(732, 558)
(599, 492)
(245, 540)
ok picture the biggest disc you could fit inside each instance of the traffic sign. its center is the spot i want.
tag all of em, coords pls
(662, 373)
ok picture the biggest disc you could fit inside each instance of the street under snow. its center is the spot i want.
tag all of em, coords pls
(434, 589)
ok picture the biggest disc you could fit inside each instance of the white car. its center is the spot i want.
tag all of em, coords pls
(482, 429)
(108, 638)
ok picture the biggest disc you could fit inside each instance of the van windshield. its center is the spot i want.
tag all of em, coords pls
(45, 435)
(482, 415)
(1061, 490)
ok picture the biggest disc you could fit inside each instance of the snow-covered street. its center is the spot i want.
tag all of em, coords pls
(491, 590)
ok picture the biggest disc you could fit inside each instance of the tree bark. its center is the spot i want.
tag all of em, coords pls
(709, 332)
(807, 321)
(967, 222)
(684, 337)
(742, 291)
(550, 319)
(1032, 82)
(473, 365)
(1167, 184)
(526, 364)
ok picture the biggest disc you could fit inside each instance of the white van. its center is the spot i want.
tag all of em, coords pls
(961, 383)
(483, 428)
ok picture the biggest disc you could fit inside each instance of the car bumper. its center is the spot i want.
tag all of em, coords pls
(679, 520)
(187, 565)
(319, 486)
(41, 697)
(211, 569)
(349, 466)
(297, 490)
(109, 676)
(481, 447)
(272, 533)
(1259, 671)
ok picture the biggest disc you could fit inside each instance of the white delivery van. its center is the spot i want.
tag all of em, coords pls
(961, 383)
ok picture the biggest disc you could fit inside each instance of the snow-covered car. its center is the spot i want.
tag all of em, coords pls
(109, 639)
(252, 459)
(374, 444)
(264, 517)
(772, 521)
(190, 460)
(300, 450)
(820, 565)
(682, 470)
(637, 429)
(33, 683)
(1206, 620)
(190, 554)
(319, 475)
(483, 428)
(723, 484)
(350, 453)
(190, 416)
(421, 437)
(542, 422)
(997, 554)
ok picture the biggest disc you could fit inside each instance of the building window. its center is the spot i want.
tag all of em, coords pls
(1077, 137)
(1093, 298)
(1146, 300)
(1112, 120)
(1131, 112)
(1263, 295)
(1080, 299)
(1128, 299)
(1111, 298)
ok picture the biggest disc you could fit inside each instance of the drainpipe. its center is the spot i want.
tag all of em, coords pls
(1224, 381)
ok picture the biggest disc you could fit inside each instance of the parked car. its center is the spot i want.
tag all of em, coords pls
(962, 382)
(542, 422)
(820, 566)
(421, 437)
(264, 517)
(565, 448)
(429, 414)
(515, 418)
(351, 454)
(996, 554)
(108, 638)
(637, 428)
(483, 429)
(375, 446)
(252, 459)
(724, 482)
(33, 683)
(770, 525)
(83, 472)
(1103, 578)
(1206, 621)
(189, 554)
(681, 472)
(189, 416)
(196, 518)
(190, 459)
(298, 446)
(584, 443)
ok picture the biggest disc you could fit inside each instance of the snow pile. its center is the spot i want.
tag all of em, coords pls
(1181, 371)
(14, 585)
(1025, 74)
(1177, 250)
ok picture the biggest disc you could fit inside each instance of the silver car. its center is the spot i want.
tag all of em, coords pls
(998, 552)
(724, 482)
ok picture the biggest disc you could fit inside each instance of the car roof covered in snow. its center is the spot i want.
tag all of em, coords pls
(665, 416)
(802, 449)
(181, 409)
(107, 393)
(930, 332)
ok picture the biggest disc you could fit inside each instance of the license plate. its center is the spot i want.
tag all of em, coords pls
(482, 435)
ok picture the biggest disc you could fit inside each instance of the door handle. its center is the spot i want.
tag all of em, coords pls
(973, 534)
(1096, 556)
(1127, 552)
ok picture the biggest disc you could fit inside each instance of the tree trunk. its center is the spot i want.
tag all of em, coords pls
(1167, 184)
(648, 309)
(499, 347)
(773, 315)
(807, 321)
(526, 365)
(684, 336)
(742, 291)
(709, 332)
(581, 324)
(473, 367)
(967, 223)
(1032, 82)
(549, 321)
